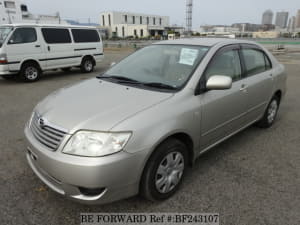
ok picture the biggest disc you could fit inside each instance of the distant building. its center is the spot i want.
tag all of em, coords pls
(292, 24)
(218, 29)
(174, 29)
(297, 23)
(267, 17)
(124, 24)
(248, 27)
(266, 34)
(13, 11)
(281, 19)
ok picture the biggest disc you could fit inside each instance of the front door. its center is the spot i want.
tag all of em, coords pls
(24, 44)
(223, 111)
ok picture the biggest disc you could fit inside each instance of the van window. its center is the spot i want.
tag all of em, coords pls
(84, 35)
(255, 61)
(56, 35)
(23, 35)
(9, 4)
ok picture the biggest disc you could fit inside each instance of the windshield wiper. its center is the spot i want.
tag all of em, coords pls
(160, 85)
(127, 80)
(119, 79)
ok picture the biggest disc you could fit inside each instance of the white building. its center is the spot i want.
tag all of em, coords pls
(124, 24)
(13, 11)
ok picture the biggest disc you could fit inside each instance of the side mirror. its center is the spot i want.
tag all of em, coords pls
(112, 64)
(11, 41)
(218, 82)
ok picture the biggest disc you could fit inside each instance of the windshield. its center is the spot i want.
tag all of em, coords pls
(4, 32)
(166, 65)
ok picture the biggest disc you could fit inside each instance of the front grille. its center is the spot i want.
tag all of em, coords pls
(47, 134)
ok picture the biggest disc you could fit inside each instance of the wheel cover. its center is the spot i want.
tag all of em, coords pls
(88, 65)
(31, 73)
(169, 172)
(272, 111)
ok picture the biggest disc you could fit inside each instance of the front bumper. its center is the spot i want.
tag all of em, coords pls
(116, 176)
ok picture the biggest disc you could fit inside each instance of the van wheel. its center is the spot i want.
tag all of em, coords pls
(66, 69)
(30, 72)
(87, 65)
(270, 113)
(164, 171)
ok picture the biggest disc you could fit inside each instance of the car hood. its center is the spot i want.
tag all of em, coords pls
(96, 105)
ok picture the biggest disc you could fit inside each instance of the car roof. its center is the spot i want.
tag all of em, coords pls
(205, 41)
(45, 25)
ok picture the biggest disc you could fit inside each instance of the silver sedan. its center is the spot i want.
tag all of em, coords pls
(137, 127)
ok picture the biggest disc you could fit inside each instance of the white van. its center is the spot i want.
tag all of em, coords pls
(26, 50)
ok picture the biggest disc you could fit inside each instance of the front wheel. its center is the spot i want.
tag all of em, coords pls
(164, 171)
(30, 72)
(270, 113)
(87, 65)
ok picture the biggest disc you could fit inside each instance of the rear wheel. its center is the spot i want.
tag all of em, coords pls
(87, 65)
(164, 171)
(270, 113)
(30, 72)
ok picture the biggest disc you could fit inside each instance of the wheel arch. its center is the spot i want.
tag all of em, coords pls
(89, 56)
(30, 61)
(181, 136)
(278, 94)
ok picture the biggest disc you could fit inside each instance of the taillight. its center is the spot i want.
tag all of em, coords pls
(3, 59)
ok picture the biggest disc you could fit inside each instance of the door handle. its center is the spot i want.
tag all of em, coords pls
(243, 88)
(49, 48)
(37, 46)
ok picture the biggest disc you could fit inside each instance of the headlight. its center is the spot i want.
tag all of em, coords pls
(95, 144)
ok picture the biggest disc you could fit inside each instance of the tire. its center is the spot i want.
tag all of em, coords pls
(30, 72)
(270, 113)
(68, 69)
(164, 171)
(87, 65)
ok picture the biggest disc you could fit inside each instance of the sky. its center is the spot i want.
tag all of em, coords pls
(216, 12)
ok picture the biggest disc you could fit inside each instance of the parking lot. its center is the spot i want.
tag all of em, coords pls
(252, 178)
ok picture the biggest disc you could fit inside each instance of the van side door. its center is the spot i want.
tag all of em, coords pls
(59, 48)
(87, 42)
(222, 111)
(24, 44)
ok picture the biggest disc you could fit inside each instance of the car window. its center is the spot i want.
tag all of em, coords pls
(23, 35)
(255, 61)
(168, 64)
(85, 35)
(56, 36)
(226, 63)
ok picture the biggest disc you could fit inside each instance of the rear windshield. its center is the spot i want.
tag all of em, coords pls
(4, 32)
(85, 35)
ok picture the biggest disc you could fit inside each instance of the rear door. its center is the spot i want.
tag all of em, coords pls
(259, 80)
(223, 111)
(87, 42)
(59, 48)
(23, 44)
